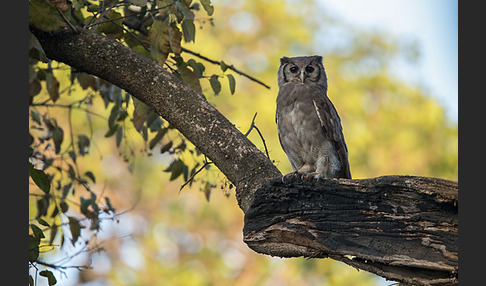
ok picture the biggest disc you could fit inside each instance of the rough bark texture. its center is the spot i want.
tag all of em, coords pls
(400, 227)
(403, 228)
(186, 110)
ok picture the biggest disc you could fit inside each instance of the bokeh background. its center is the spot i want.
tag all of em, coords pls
(392, 74)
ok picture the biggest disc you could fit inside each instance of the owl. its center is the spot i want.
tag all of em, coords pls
(309, 127)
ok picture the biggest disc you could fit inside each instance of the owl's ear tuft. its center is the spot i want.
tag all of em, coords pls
(317, 58)
(284, 60)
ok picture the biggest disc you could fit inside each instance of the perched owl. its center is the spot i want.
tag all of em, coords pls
(309, 127)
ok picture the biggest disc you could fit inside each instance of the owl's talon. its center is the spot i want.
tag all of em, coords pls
(318, 177)
(291, 174)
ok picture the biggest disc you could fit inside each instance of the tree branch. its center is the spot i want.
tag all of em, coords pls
(403, 228)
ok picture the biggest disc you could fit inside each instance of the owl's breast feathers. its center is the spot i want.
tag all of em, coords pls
(304, 113)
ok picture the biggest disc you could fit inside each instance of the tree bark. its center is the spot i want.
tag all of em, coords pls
(402, 228)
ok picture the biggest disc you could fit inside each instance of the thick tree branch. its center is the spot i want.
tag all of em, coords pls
(242, 163)
(403, 228)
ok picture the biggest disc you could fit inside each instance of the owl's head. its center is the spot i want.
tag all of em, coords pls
(303, 70)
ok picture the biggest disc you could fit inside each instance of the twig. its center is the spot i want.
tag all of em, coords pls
(67, 21)
(231, 67)
(193, 175)
(258, 130)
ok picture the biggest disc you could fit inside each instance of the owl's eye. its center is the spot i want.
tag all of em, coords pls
(309, 69)
(294, 69)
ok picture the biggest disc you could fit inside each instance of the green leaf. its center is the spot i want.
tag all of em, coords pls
(35, 49)
(182, 7)
(109, 28)
(35, 116)
(83, 144)
(223, 66)
(166, 147)
(112, 130)
(189, 77)
(119, 137)
(40, 179)
(215, 84)
(159, 41)
(75, 228)
(52, 235)
(38, 233)
(207, 6)
(33, 248)
(139, 3)
(139, 114)
(198, 68)
(114, 114)
(86, 80)
(90, 175)
(175, 37)
(189, 30)
(157, 138)
(42, 222)
(52, 85)
(232, 83)
(44, 16)
(50, 276)
(57, 137)
(177, 168)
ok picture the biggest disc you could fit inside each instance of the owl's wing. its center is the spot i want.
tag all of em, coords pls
(331, 125)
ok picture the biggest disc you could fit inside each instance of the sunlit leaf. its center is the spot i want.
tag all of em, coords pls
(159, 41)
(175, 37)
(189, 31)
(207, 6)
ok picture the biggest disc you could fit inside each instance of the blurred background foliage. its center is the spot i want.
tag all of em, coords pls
(149, 232)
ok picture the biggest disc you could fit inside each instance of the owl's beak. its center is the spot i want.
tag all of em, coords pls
(302, 76)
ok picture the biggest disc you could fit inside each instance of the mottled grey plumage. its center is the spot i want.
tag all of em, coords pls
(309, 127)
